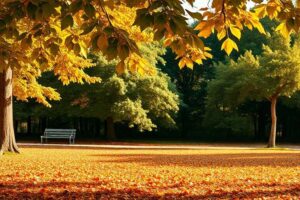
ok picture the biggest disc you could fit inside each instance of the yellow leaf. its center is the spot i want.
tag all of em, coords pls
(221, 34)
(282, 28)
(198, 61)
(208, 55)
(248, 25)
(235, 31)
(258, 26)
(261, 11)
(189, 63)
(228, 45)
(182, 63)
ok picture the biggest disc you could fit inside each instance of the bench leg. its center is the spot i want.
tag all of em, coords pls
(41, 140)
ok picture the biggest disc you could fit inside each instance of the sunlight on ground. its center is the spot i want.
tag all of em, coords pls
(150, 174)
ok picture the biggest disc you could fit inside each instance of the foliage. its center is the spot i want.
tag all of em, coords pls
(144, 101)
(139, 100)
(275, 73)
(226, 122)
(30, 53)
(56, 34)
(107, 26)
(156, 174)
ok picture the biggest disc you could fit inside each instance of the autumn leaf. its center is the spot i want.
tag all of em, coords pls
(222, 34)
(236, 32)
(283, 29)
(228, 45)
(185, 62)
(64, 173)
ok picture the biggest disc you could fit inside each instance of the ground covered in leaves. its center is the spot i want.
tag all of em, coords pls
(150, 174)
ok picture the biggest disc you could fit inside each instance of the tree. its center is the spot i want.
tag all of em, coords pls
(105, 26)
(142, 101)
(32, 42)
(273, 74)
(22, 63)
(192, 83)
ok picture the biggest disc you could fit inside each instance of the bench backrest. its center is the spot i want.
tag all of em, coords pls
(59, 132)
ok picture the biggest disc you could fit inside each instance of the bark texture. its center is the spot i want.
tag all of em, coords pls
(272, 138)
(7, 134)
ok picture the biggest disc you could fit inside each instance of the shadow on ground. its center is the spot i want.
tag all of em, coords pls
(201, 160)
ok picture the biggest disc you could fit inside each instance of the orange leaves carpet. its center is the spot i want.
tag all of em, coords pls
(150, 174)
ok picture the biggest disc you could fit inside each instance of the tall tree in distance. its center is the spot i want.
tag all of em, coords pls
(280, 63)
(269, 76)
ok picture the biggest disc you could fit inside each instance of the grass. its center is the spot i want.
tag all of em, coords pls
(40, 173)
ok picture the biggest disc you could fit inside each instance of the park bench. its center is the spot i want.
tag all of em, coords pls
(59, 134)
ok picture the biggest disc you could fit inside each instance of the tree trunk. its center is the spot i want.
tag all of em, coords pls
(110, 129)
(7, 134)
(272, 138)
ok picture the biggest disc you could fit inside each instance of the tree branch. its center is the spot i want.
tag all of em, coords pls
(105, 12)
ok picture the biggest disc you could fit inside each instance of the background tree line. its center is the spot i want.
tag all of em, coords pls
(173, 104)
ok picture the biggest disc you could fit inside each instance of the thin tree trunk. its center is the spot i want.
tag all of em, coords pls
(110, 129)
(7, 134)
(272, 138)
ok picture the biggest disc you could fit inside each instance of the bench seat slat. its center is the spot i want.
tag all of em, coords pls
(59, 134)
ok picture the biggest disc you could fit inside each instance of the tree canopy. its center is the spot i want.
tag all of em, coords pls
(273, 74)
(141, 101)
